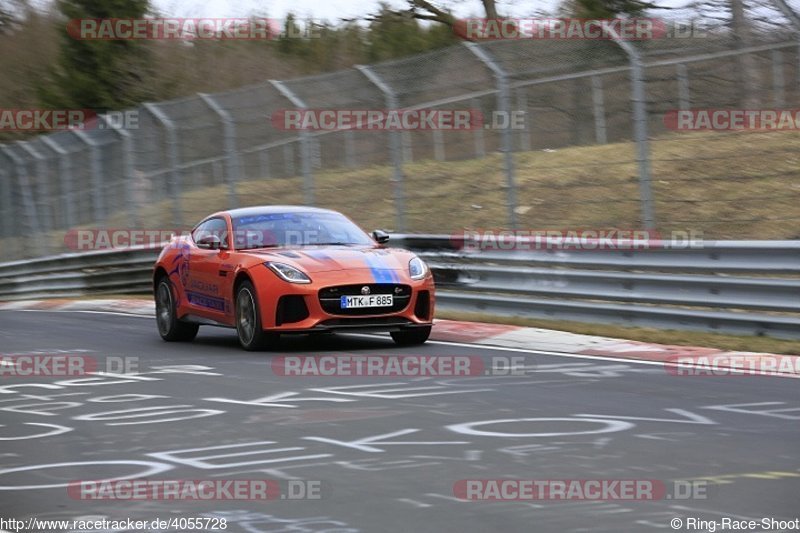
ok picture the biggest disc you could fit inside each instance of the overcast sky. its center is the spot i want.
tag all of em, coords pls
(332, 10)
(335, 10)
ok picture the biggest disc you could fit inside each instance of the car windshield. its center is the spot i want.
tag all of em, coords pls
(267, 230)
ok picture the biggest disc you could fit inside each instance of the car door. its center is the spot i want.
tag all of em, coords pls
(207, 285)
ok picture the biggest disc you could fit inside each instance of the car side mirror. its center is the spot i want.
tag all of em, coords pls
(210, 242)
(380, 236)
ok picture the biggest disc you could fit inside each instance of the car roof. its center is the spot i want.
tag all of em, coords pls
(273, 209)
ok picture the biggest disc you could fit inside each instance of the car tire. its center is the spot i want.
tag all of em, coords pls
(411, 336)
(169, 326)
(248, 320)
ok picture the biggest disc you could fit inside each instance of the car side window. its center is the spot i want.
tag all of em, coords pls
(214, 226)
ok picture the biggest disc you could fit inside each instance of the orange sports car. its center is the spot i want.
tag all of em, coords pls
(289, 269)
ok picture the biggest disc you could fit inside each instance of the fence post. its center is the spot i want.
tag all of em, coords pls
(65, 176)
(504, 105)
(406, 147)
(639, 101)
(43, 188)
(232, 176)
(480, 145)
(777, 79)
(349, 149)
(217, 174)
(395, 146)
(305, 144)
(288, 159)
(684, 98)
(263, 163)
(525, 133)
(598, 106)
(316, 152)
(7, 206)
(438, 146)
(27, 198)
(128, 174)
(95, 165)
(174, 180)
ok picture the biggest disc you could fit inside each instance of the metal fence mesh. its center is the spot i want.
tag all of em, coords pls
(571, 160)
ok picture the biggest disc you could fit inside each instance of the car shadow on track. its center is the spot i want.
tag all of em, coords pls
(323, 342)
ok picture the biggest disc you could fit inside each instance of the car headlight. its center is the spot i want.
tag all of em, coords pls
(288, 273)
(417, 268)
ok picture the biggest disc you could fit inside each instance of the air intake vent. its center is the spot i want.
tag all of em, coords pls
(291, 308)
(423, 306)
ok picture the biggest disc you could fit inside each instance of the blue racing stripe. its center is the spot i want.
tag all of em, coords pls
(392, 272)
(380, 273)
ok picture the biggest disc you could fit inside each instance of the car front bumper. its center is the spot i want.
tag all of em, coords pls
(417, 312)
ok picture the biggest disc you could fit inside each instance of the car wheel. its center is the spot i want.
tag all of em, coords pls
(248, 320)
(412, 336)
(169, 327)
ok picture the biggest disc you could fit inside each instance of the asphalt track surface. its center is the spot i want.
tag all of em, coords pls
(385, 451)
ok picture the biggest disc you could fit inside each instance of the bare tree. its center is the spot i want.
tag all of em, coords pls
(747, 68)
(490, 8)
(425, 10)
(11, 12)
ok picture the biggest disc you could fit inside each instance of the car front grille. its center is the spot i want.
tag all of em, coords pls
(330, 298)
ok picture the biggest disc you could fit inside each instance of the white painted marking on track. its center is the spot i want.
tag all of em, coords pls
(609, 426)
(365, 444)
(56, 430)
(203, 462)
(415, 503)
(151, 470)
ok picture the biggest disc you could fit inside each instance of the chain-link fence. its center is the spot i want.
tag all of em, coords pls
(594, 148)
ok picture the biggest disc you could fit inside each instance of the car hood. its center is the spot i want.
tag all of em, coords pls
(329, 258)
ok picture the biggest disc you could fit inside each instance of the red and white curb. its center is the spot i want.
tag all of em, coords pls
(502, 336)
(128, 307)
(546, 340)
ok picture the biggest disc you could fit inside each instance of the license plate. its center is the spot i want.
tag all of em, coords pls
(372, 300)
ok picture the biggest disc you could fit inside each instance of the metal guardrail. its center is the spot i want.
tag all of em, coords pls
(665, 289)
(667, 286)
(765, 257)
(125, 271)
